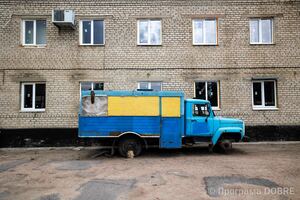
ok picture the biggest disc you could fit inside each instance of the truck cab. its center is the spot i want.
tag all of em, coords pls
(201, 124)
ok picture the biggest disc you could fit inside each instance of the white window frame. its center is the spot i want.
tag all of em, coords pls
(149, 84)
(206, 95)
(92, 32)
(149, 37)
(203, 32)
(34, 32)
(260, 32)
(33, 109)
(263, 106)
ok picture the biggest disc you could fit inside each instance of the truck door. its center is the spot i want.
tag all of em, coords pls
(199, 120)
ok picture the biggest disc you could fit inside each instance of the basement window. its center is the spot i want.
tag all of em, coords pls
(261, 31)
(34, 32)
(208, 90)
(264, 94)
(205, 32)
(149, 32)
(33, 97)
(91, 32)
(152, 85)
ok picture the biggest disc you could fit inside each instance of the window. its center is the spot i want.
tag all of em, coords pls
(92, 32)
(34, 32)
(200, 110)
(33, 96)
(149, 32)
(261, 31)
(264, 94)
(86, 86)
(155, 86)
(205, 31)
(208, 90)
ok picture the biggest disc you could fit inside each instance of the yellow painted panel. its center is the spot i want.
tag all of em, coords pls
(133, 106)
(170, 106)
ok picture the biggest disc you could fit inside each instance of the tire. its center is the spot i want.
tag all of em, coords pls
(130, 144)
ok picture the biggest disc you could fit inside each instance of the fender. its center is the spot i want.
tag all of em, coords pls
(220, 131)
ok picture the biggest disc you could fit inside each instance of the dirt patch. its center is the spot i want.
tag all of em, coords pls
(74, 165)
(101, 189)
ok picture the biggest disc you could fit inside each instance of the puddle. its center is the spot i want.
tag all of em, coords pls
(101, 189)
(12, 164)
(214, 184)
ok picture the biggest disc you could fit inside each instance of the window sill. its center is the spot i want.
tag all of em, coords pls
(216, 109)
(149, 44)
(205, 44)
(33, 111)
(33, 46)
(263, 108)
(88, 45)
(253, 44)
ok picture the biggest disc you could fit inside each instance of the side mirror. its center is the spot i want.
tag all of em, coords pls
(92, 97)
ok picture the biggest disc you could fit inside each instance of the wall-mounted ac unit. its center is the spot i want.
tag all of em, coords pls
(63, 18)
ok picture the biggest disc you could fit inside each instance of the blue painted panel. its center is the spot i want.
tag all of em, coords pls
(111, 126)
(171, 132)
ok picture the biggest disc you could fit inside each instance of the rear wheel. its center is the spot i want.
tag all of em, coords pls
(129, 145)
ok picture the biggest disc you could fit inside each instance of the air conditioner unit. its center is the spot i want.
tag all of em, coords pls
(63, 18)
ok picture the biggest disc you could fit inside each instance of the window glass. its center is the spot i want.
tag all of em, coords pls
(143, 85)
(143, 32)
(40, 31)
(200, 110)
(156, 86)
(257, 93)
(28, 93)
(254, 34)
(200, 90)
(266, 26)
(212, 93)
(208, 91)
(198, 31)
(98, 32)
(98, 86)
(40, 95)
(269, 93)
(210, 31)
(29, 32)
(86, 32)
(85, 86)
(155, 29)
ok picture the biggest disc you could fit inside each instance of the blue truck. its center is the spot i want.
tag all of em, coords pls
(133, 120)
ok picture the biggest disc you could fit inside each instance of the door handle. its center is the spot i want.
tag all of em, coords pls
(193, 120)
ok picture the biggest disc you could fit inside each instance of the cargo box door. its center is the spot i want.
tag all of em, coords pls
(171, 123)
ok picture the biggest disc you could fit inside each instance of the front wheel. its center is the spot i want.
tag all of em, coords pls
(128, 146)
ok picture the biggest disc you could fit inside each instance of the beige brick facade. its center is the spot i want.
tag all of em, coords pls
(121, 63)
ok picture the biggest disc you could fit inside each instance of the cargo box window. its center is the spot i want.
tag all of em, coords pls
(97, 107)
(208, 90)
(33, 97)
(264, 94)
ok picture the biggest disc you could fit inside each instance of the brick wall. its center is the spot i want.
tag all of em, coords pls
(121, 63)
